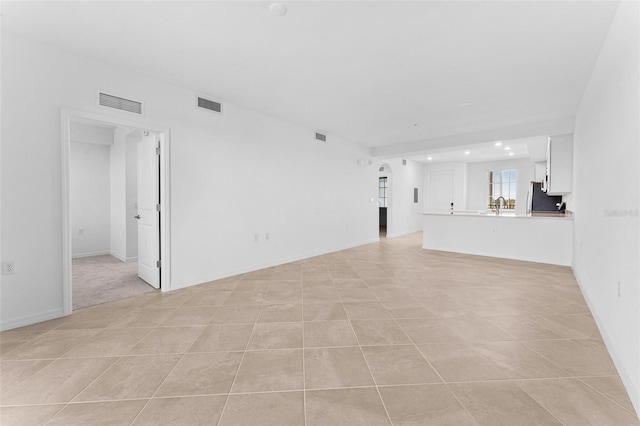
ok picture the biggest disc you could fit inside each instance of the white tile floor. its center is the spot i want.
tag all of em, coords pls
(379, 334)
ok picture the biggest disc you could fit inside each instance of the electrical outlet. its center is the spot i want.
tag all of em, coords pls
(8, 268)
(81, 231)
(266, 236)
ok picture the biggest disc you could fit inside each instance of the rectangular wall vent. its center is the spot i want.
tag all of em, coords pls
(209, 105)
(117, 102)
(404, 162)
(321, 137)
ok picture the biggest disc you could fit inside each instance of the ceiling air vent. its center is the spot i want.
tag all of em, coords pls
(321, 137)
(117, 102)
(209, 105)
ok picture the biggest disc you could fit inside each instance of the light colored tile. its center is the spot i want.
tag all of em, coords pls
(112, 413)
(425, 331)
(336, 368)
(14, 372)
(273, 370)
(348, 407)
(130, 377)
(578, 357)
(58, 382)
(109, 342)
(473, 328)
(366, 310)
(208, 298)
(223, 337)
(268, 409)
(324, 312)
(276, 335)
(236, 315)
(190, 315)
(167, 340)
(202, 374)
(462, 361)
(501, 403)
(286, 296)
(190, 410)
(575, 403)
(286, 312)
(424, 405)
(396, 365)
(52, 344)
(524, 328)
(379, 332)
(329, 333)
(28, 415)
(613, 388)
(142, 318)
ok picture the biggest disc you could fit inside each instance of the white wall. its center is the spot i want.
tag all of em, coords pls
(606, 196)
(118, 194)
(232, 176)
(478, 189)
(89, 197)
(404, 216)
(459, 170)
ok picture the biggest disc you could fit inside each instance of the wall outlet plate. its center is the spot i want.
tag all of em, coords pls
(8, 268)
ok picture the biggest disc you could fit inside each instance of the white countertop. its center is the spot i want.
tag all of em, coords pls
(504, 214)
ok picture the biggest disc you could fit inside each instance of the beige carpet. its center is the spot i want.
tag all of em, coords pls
(101, 279)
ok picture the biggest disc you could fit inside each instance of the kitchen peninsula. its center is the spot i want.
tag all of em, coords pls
(537, 237)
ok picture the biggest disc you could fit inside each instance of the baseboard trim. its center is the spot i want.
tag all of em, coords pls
(96, 253)
(31, 319)
(627, 381)
(256, 267)
(117, 256)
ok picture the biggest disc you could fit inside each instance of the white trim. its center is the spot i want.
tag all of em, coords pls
(31, 319)
(627, 379)
(66, 115)
(257, 267)
(95, 253)
(117, 256)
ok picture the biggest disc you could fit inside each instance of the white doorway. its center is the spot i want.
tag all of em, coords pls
(145, 242)
(385, 203)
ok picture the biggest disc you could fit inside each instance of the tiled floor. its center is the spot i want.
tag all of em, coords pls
(382, 333)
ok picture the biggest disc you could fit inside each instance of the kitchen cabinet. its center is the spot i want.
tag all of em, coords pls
(559, 178)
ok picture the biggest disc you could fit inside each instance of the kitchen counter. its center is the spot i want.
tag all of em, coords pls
(537, 237)
(505, 213)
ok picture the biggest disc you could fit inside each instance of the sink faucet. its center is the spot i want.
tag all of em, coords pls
(498, 204)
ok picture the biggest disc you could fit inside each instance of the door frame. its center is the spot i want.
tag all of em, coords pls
(66, 116)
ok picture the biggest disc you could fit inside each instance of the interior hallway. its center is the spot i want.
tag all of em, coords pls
(378, 334)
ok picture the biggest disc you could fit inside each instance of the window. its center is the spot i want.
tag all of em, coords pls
(502, 183)
(382, 192)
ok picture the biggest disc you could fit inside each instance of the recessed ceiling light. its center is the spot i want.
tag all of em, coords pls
(278, 9)
(429, 158)
(465, 104)
(507, 148)
(467, 152)
(498, 144)
(511, 153)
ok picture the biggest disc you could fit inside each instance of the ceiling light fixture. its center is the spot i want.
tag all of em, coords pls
(429, 158)
(465, 104)
(467, 152)
(277, 9)
(498, 144)
(511, 153)
(507, 148)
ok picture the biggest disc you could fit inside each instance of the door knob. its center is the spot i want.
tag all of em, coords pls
(137, 216)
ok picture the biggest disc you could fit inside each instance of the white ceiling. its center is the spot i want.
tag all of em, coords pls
(376, 73)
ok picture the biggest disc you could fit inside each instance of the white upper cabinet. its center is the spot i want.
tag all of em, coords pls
(560, 165)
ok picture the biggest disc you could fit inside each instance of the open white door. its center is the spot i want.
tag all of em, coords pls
(148, 214)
